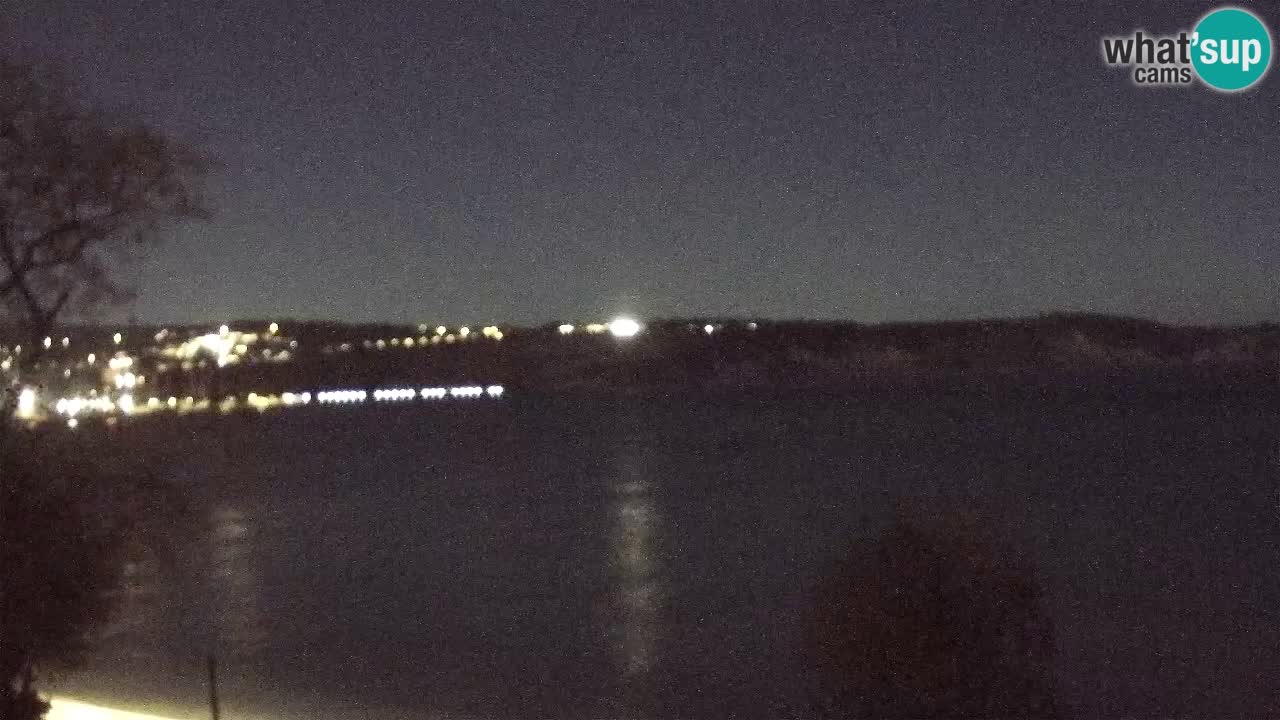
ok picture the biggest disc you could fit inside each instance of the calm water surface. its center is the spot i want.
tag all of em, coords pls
(656, 555)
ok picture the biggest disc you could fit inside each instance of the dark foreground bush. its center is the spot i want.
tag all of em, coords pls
(60, 557)
(933, 619)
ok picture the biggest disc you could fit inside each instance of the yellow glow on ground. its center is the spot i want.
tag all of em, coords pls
(64, 709)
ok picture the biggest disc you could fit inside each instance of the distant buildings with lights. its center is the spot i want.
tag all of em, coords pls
(255, 366)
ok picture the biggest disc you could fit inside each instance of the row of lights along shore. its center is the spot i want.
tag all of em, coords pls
(227, 346)
(330, 397)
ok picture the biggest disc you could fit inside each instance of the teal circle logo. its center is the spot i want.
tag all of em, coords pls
(1231, 49)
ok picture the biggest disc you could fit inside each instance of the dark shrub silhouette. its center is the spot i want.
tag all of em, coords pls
(59, 560)
(934, 619)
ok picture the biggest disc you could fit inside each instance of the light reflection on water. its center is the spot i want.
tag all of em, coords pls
(234, 585)
(638, 587)
(213, 588)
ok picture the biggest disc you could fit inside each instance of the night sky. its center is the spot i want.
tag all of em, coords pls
(536, 161)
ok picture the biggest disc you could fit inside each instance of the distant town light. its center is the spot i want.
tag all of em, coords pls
(440, 329)
(117, 338)
(92, 358)
(27, 403)
(66, 341)
(223, 330)
(566, 329)
(464, 331)
(48, 342)
(624, 327)
(708, 329)
(273, 328)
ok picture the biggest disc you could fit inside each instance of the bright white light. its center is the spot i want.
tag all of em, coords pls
(341, 396)
(624, 327)
(92, 358)
(464, 331)
(66, 341)
(72, 423)
(273, 328)
(223, 330)
(494, 390)
(290, 398)
(173, 402)
(117, 338)
(708, 329)
(394, 394)
(440, 329)
(70, 406)
(63, 709)
(26, 403)
(48, 342)
(566, 329)
(126, 403)
(433, 393)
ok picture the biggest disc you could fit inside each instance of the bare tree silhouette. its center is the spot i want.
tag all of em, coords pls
(80, 192)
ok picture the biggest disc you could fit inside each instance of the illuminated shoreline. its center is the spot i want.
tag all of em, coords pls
(74, 408)
(69, 709)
